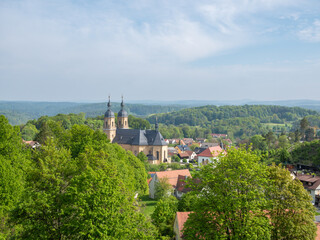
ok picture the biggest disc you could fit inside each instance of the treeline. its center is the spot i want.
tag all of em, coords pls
(45, 125)
(299, 147)
(202, 115)
(75, 186)
(20, 112)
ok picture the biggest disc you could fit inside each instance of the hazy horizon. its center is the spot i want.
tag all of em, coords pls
(220, 50)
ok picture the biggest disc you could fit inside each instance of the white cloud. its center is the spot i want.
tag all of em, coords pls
(104, 46)
(311, 33)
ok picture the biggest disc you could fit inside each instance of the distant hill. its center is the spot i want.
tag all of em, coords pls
(200, 116)
(308, 104)
(20, 112)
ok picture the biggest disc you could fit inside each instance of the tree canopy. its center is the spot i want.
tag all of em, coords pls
(240, 198)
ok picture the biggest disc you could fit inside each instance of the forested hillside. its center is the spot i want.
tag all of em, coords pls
(20, 112)
(203, 115)
(239, 122)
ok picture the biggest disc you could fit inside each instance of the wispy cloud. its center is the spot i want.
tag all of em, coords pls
(311, 33)
(102, 42)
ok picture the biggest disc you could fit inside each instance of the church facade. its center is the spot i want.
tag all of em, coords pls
(150, 142)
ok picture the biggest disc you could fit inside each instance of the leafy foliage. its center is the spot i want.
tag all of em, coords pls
(307, 153)
(164, 214)
(13, 164)
(163, 188)
(241, 198)
(290, 210)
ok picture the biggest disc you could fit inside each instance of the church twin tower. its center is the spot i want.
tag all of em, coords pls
(110, 126)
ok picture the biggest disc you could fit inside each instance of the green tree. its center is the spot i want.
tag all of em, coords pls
(162, 188)
(14, 162)
(143, 158)
(29, 131)
(175, 158)
(290, 208)
(187, 201)
(78, 198)
(310, 134)
(243, 199)
(283, 141)
(231, 200)
(258, 142)
(164, 214)
(304, 124)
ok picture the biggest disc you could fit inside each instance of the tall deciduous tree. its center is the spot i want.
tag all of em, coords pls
(13, 165)
(78, 198)
(231, 200)
(162, 188)
(241, 198)
(163, 215)
(290, 208)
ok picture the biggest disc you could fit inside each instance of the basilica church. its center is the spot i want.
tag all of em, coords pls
(150, 142)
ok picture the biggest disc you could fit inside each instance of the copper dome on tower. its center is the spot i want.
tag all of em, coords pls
(109, 113)
(122, 112)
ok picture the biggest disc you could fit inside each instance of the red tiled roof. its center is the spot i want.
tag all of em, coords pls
(181, 219)
(181, 184)
(306, 179)
(189, 152)
(173, 175)
(183, 155)
(211, 152)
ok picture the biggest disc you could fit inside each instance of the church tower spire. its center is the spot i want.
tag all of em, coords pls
(109, 125)
(156, 125)
(123, 117)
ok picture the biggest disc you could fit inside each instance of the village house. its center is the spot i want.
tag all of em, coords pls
(312, 184)
(209, 144)
(200, 140)
(182, 148)
(188, 141)
(209, 154)
(32, 144)
(219, 135)
(171, 176)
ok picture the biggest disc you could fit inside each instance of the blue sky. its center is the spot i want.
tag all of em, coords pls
(67, 50)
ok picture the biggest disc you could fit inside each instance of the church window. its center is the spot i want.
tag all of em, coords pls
(125, 123)
(150, 152)
(158, 155)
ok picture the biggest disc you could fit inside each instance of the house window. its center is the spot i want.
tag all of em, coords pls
(112, 124)
(150, 152)
(125, 123)
(135, 153)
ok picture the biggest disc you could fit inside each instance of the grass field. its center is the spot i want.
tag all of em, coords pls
(147, 205)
